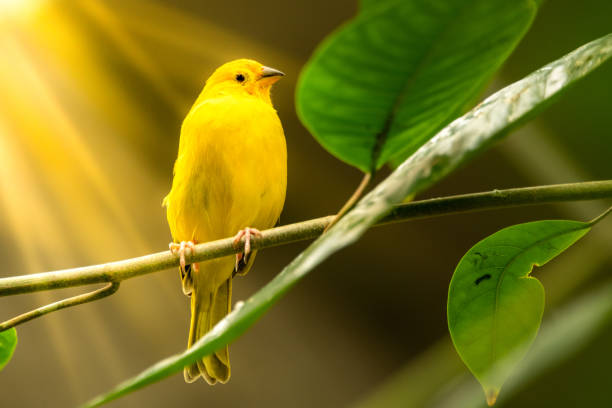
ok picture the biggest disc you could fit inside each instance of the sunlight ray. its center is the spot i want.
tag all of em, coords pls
(53, 147)
(39, 234)
(196, 35)
(32, 228)
(103, 16)
(55, 141)
(60, 44)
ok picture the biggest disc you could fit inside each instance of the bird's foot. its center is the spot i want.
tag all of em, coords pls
(180, 250)
(242, 257)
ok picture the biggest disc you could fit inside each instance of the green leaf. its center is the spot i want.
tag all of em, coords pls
(564, 333)
(494, 307)
(387, 81)
(450, 148)
(8, 342)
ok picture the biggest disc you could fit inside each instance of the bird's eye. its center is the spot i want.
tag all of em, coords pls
(240, 78)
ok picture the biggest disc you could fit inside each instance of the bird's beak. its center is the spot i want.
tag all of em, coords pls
(270, 72)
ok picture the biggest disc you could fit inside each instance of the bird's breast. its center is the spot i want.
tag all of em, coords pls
(231, 170)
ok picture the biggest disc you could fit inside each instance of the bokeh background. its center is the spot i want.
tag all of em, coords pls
(92, 95)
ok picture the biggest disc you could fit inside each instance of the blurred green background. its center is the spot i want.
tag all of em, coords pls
(92, 97)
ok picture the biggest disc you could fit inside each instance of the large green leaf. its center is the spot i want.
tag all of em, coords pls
(387, 81)
(453, 146)
(8, 342)
(494, 307)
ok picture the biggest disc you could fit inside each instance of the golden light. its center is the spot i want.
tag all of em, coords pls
(18, 9)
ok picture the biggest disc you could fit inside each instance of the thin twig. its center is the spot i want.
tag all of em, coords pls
(600, 216)
(352, 200)
(129, 268)
(105, 291)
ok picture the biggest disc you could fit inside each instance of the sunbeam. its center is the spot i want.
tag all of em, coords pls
(107, 21)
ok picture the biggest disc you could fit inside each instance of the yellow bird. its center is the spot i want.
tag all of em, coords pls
(230, 175)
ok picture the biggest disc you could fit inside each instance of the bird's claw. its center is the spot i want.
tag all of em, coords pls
(180, 250)
(247, 233)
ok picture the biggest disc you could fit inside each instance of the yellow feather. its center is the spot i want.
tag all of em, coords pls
(230, 173)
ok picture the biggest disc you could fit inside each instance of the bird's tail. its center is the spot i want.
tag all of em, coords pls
(207, 309)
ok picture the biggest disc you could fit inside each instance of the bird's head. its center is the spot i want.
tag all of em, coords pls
(243, 76)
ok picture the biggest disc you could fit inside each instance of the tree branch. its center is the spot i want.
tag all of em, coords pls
(103, 292)
(129, 268)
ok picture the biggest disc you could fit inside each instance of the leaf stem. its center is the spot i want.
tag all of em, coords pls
(130, 268)
(352, 200)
